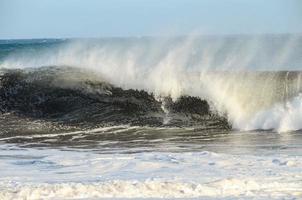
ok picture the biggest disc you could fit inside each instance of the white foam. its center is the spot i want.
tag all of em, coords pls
(280, 117)
(55, 174)
(155, 189)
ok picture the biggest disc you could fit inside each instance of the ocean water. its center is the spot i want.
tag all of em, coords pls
(203, 117)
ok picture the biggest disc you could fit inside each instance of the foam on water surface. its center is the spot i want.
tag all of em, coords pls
(53, 173)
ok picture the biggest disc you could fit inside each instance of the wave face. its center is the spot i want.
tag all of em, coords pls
(238, 82)
(79, 99)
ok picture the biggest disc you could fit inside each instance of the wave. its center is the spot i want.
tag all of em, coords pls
(182, 81)
(264, 100)
(77, 98)
(80, 98)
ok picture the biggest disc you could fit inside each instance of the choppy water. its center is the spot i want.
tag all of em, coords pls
(133, 162)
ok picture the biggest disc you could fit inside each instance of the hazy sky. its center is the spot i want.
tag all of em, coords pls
(98, 18)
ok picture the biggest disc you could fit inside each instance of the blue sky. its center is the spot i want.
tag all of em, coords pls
(103, 18)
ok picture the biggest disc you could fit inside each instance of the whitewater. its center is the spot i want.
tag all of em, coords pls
(211, 117)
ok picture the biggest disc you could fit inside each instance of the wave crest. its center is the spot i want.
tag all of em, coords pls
(80, 100)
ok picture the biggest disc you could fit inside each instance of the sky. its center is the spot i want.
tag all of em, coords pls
(126, 18)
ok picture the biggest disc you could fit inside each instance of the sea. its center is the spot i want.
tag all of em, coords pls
(186, 117)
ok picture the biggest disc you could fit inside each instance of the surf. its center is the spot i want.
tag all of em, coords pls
(242, 79)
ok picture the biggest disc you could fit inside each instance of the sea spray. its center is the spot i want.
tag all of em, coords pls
(224, 70)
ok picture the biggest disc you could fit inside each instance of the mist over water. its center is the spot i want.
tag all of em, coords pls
(253, 80)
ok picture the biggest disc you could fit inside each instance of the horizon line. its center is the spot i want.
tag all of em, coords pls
(157, 36)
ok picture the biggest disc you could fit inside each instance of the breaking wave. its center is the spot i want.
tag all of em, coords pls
(73, 97)
(209, 82)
